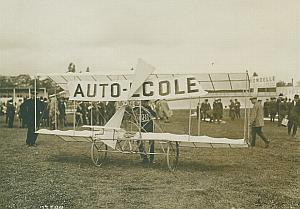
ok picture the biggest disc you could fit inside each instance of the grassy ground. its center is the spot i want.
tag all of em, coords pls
(56, 173)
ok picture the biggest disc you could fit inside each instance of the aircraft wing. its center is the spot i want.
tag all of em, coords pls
(107, 134)
(101, 127)
(69, 135)
(193, 141)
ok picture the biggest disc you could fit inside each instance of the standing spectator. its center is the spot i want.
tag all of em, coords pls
(220, 104)
(93, 114)
(231, 110)
(279, 99)
(53, 113)
(71, 68)
(163, 110)
(84, 112)
(237, 106)
(289, 103)
(198, 111)
(273, 109)
(45, 113)
(266, 108)
(78, 114)
(5, 112)
(218, 110)
(205, 107)
(158, 110)
(22, 114)
(18, 111)
(147, 125)
(30, 116)
(10, 112)
(215, 113)
(257, 122)
(282, 110)
(101, 108)
(62, 112)
(294, 116)
(167, 112)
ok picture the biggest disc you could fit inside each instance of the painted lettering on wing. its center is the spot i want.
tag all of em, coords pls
(167, 88)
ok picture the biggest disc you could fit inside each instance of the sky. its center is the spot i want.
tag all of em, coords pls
(44, 36)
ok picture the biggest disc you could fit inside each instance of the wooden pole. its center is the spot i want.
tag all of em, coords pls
(55, 113)
(190, 118)
(199, 117)
(74, 116)
(35, 112)
(245, 116)
(140, 119)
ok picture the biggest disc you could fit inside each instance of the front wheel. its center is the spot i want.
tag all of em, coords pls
(172, 155)
(99, 153)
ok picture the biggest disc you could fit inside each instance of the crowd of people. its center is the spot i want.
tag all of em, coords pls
(52, 112)
(286, 110)
(280, 106)
(215, 113)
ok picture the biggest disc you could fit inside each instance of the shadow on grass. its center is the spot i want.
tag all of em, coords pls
(111, 163)
(205, 167)
(72, 159)
(160, 164)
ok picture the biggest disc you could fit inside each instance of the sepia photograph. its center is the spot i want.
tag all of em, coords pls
(149, 104)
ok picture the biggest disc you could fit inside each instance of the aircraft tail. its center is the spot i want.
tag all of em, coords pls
(116, 119)
(112, 124)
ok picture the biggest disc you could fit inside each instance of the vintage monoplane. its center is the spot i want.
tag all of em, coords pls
(142, 84)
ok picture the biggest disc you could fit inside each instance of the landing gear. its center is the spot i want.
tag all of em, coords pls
(172, 155)
(99, 153)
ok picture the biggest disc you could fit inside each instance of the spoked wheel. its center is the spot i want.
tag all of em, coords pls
(99, 153)
(172, 155)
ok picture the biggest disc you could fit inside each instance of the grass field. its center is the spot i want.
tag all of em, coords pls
(60, 174)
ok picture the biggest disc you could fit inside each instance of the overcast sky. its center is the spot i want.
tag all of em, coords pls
(174, 36)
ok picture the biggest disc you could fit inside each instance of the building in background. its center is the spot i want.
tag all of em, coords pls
(19, 93)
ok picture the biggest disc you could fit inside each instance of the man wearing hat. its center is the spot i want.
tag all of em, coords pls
(205, 106)
(294, 116)
(273, 109)
(147, 125)
(31, 116)
(10, 112)
(257, 122)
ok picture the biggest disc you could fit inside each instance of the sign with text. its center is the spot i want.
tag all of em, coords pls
(263, 82)
(151, 89)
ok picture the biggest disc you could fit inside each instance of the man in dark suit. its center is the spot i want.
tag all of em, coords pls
(266, 108)
(282, 110)
(237, 107)
(273, 109)
(294, 116)
(10, 112)
(205, 106)
(32, 114)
